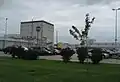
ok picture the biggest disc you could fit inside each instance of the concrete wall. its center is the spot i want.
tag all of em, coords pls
(26, 29)
(48, 32)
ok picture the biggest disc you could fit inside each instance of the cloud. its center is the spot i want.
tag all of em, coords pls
(92, 2)
(1, 2)
(64, 14)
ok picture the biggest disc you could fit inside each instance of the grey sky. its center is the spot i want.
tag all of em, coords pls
(64, 14)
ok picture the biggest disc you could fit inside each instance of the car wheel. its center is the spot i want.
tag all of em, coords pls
(104, 56)
(5, 52)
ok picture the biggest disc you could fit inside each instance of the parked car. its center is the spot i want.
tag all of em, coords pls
(42, 52)
(1, 49)
(106, 55)
(56, 51)
(7, 50)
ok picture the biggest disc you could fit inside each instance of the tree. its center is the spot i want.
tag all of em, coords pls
(82, 37)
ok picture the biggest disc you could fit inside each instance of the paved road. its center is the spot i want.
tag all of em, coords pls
(74, 58)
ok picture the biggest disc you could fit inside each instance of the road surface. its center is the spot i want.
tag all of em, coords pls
(74, 58)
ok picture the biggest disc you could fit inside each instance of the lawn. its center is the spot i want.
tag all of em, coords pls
(55, 71)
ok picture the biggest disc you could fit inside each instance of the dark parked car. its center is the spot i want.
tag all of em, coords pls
(7, 50)
(42, 52)
(56, 51)
(23, 52)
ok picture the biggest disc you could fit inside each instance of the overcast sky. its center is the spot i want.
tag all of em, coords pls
(63, 14)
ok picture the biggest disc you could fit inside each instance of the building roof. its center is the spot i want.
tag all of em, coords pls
(37, 21)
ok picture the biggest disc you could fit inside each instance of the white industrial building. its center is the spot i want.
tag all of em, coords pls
(28, 35)
(9, 42)
(45, 35)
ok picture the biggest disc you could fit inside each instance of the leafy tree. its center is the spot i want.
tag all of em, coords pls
(82, 37)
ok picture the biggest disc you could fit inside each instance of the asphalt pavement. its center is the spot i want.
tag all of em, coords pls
(74, 58)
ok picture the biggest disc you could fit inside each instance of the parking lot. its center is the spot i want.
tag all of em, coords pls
(74, 58)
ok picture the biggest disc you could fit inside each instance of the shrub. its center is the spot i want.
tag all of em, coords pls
(96, 55)
(30, 55)
(5, 50)
(82, 54)
(66, 54)
(24, 54)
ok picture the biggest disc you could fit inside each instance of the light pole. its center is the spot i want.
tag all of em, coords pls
(5, 35)
(56, 37)
(116, 10)
(6, 26)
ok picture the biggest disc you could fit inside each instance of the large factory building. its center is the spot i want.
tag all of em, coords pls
(32, 33)
(40, 32)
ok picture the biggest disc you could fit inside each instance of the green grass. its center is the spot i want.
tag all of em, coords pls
(56, 71)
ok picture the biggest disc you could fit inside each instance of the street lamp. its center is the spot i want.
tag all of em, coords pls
(116, 25)
(6, 26)
(56, 37)
(5, 35)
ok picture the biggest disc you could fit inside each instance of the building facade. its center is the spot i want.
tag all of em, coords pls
(45, 35)
(10, 42)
